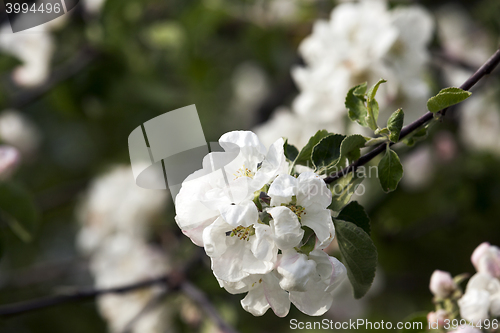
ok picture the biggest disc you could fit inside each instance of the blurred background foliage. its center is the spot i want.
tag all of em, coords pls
(139, 59)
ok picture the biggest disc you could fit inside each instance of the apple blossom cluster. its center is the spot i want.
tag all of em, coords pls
(480, 304)
(361, 42)
(263, 229)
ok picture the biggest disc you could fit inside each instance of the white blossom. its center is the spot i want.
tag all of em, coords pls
(34, 49)
(229, 177)
(257, 248)
(308, 198)
(116, 218)
(361, 42)
(19, 131)
(114, 205)
(9, 160)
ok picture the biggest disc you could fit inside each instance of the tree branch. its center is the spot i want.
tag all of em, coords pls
(199, 297)
(174, 281)
(484, 70)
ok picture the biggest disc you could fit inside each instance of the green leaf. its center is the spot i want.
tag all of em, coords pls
(446, 98)
(390, 170)
(304, 157)
(342, 190)
(351, 145)
(18, 209)
(418, 323)
(356, 214)
(372, 105)
(308, 241)
(291, 152)
(359, 255)
(327, 151)
(355, 104)
(395, 124)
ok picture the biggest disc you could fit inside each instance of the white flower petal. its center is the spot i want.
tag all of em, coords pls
(263, 245)
(243, 214)
(296, 270)
(286, 227)
(214, 238)
(273, 165)
(276, 297)
(283, 188)
(255, 301)
(312, 190)
(321, 222)
(474, 305)
(315, 301)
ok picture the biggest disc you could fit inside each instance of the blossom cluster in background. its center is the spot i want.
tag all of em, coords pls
(362, 41)
(117, 218)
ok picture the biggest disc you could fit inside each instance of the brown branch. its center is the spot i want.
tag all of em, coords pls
(80, 295)
(174, 281)
(199, 297)
(484, 70)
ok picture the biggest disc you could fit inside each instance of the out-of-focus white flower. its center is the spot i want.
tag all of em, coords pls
(442, 284)
(438, 317)
(250, 88)
(474, 305)
(480, 122)
(34, 49)
(116, 218)
(115, 204)
(93, 6)
(121, 261)
(419, 166)
(363, 42)
(482, 296)
(486, 259)
(17, 130)
(9, 160)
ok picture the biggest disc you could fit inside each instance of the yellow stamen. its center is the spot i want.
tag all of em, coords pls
(243, 172)
(243, 233)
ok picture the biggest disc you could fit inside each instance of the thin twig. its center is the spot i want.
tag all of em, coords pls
(484, 70)
(199, 297)
(150, 306)
(79, 295)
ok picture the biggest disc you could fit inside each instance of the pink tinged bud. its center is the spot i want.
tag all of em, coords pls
(437, 317)
(9, 160)
(486, 259)
(442, 284)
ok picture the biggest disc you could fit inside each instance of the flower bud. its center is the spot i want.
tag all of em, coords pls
(442, 284)
(486, 259)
